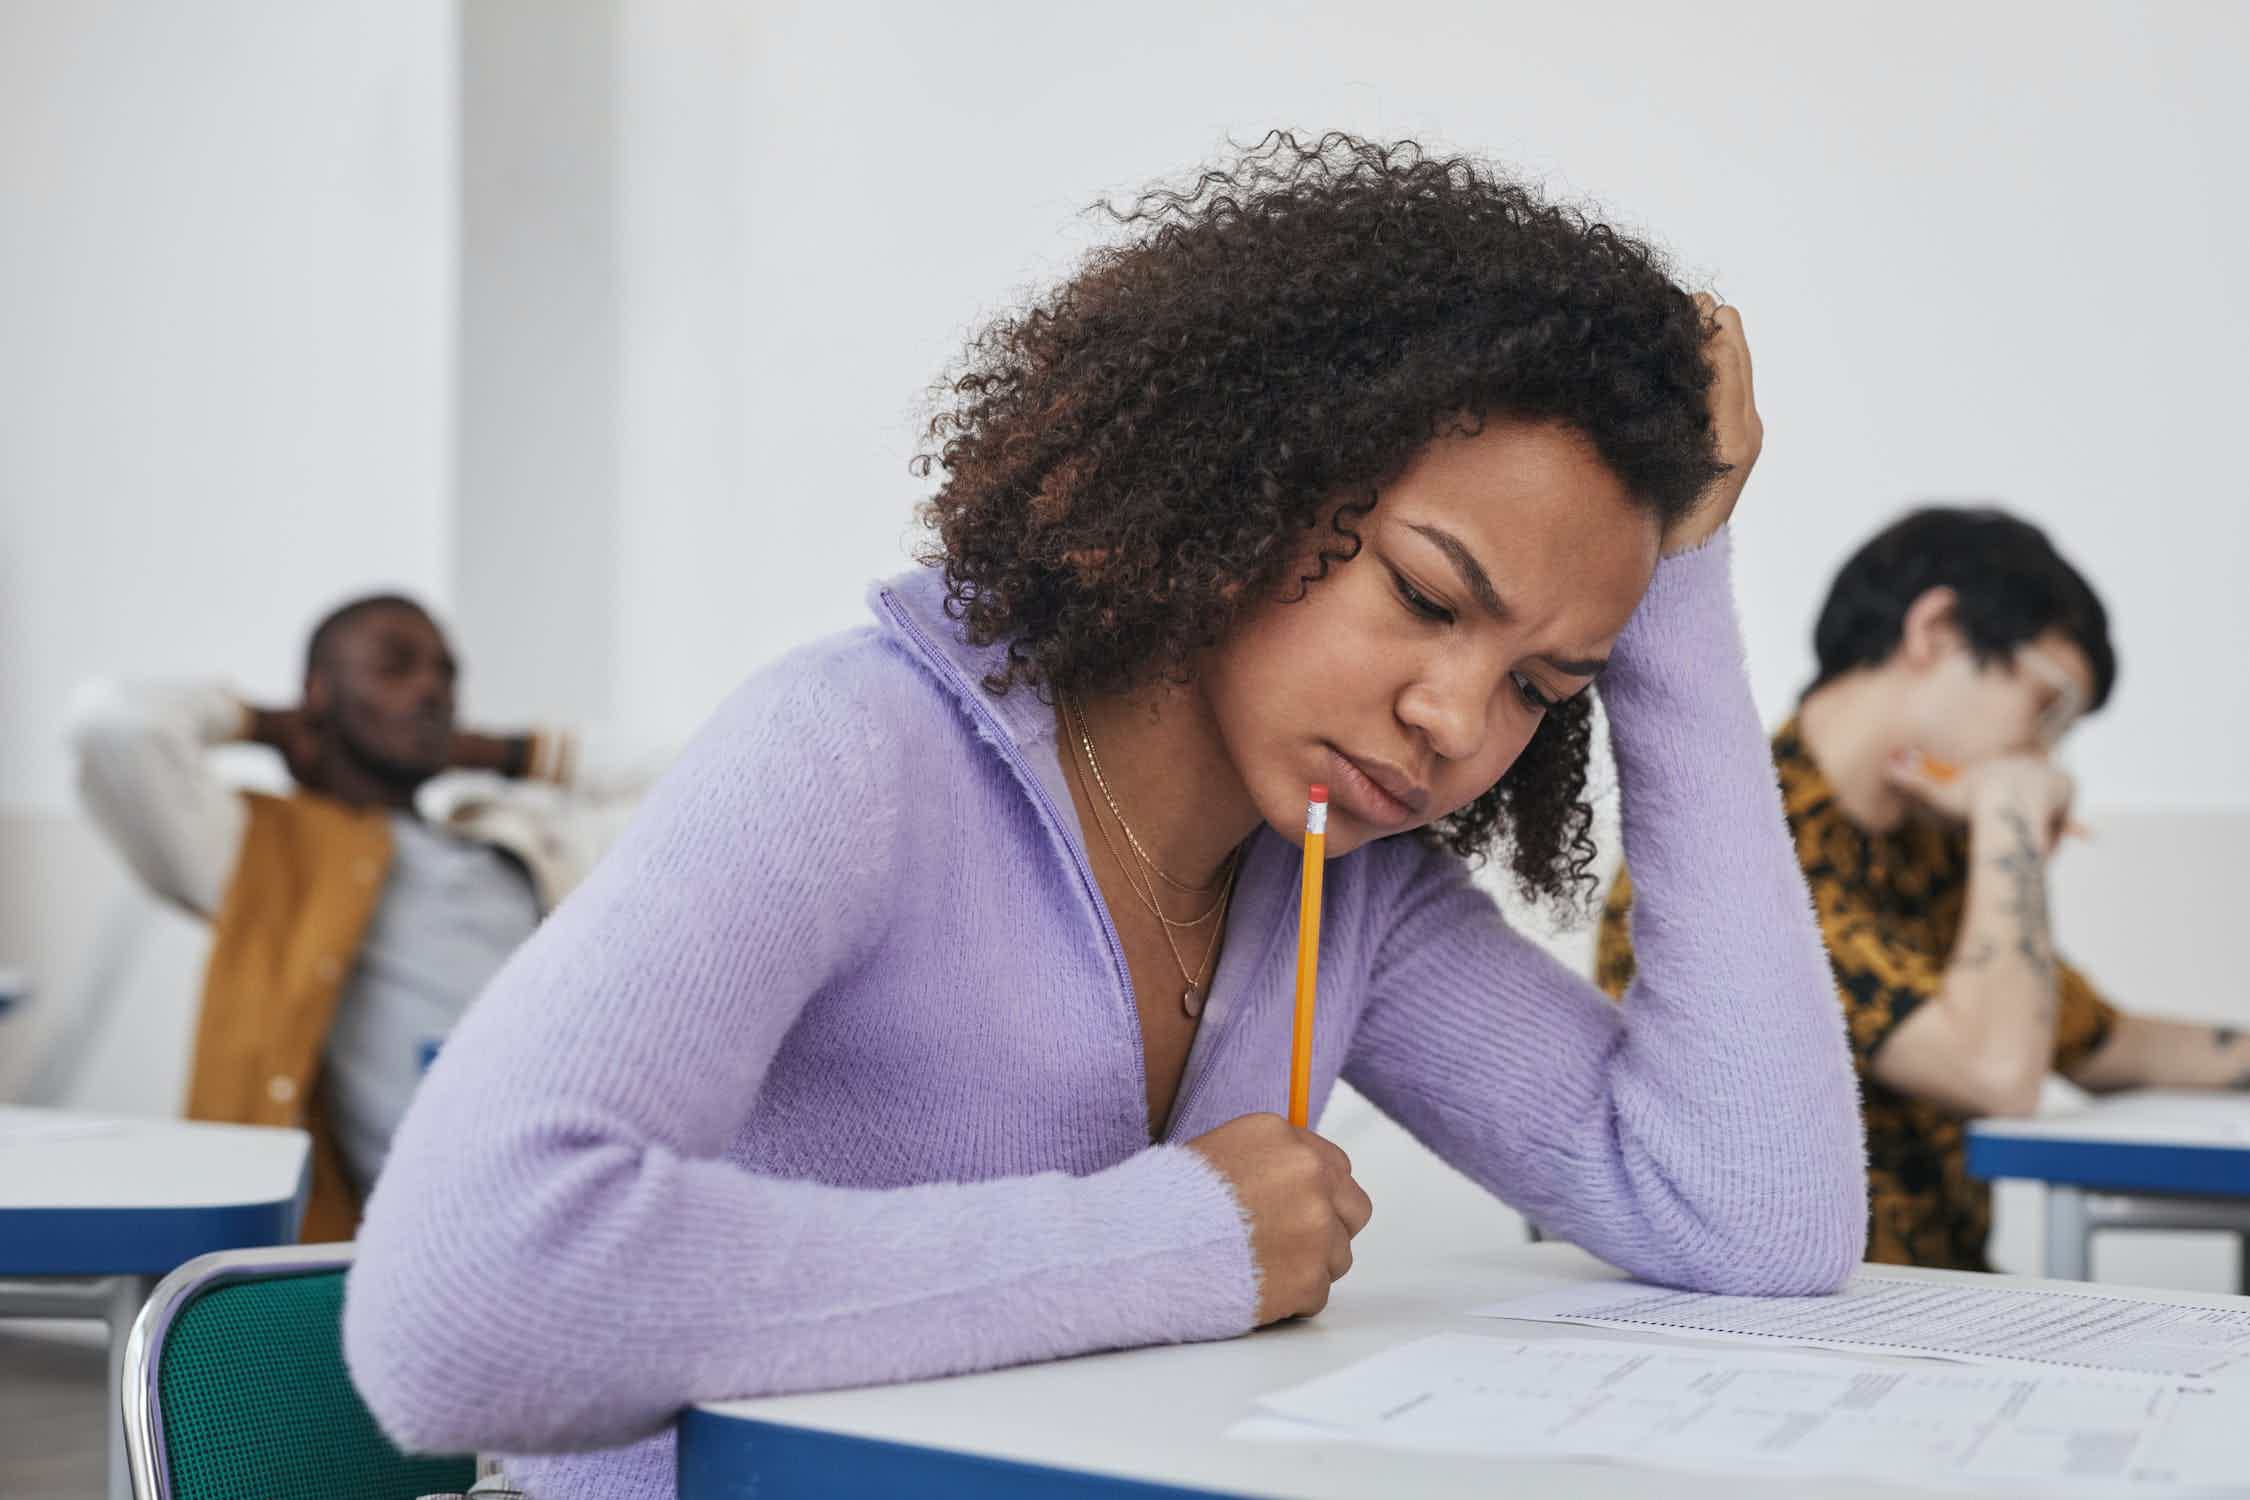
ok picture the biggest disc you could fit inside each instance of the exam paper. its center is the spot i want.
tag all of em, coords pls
(1879, 1314)
(1758, 1413)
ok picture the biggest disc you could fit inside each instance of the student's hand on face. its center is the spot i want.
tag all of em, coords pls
(2025, 792)
(1302, 1203)
(2003, 788)
(1934, 784)
(1737, 432)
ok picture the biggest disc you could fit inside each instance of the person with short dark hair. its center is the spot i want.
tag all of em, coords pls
(349, 931)
(1956, 650)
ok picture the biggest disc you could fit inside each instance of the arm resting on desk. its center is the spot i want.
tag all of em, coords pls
(1946, 1052)
(2143, 1052)
(559, 1255)
(1705, 1133)
(2005, 1012)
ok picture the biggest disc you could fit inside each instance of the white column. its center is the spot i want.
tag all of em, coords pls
(536, 516)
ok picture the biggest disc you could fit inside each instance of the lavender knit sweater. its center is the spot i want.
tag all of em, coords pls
(831, 1074)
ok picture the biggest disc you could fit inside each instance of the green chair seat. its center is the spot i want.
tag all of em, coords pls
(235, 1382)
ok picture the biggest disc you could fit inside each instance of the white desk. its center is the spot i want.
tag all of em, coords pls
(1150, 1422)
(2150, 1159)
(98, 1208)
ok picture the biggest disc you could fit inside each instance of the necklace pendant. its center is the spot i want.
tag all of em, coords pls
(1192, 1002)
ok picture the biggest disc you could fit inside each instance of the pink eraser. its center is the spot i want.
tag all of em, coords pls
(1319, 792)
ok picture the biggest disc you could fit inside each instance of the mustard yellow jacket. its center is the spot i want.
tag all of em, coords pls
(290, 882)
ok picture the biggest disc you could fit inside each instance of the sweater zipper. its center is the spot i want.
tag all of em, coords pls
(997, 733)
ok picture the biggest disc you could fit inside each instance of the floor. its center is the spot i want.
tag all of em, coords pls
(52, 1409)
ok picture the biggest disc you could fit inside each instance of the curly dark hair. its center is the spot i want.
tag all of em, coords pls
(1144, 451)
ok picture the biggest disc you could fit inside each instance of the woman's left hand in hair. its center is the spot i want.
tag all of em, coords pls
(1736, 432)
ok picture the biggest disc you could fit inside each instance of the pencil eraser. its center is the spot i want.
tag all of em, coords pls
(1319, 792)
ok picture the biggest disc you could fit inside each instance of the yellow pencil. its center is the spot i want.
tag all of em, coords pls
(1308, 955)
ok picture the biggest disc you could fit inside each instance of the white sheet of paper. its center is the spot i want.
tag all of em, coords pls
(1742, 1412)
(1879, 1314)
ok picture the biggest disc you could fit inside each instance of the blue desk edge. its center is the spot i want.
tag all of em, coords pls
(2191, 1171)
(143, 1241)
(734, 1458)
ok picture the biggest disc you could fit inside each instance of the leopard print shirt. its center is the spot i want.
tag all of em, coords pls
(1890, 911)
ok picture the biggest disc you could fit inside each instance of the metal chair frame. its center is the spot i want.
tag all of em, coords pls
(139, 1390)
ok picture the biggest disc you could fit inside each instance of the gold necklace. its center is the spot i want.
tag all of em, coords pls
(1194, 993)
(1226, 871)
(1077, 709)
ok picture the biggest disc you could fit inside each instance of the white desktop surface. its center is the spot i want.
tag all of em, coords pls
(2156, 1117)
(1161, 1415)
(124, 1200)
(53, 1159)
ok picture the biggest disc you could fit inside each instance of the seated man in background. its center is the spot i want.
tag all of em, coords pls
(349, 932)
(1955, 651)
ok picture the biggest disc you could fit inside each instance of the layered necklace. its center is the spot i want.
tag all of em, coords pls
(1142, 872)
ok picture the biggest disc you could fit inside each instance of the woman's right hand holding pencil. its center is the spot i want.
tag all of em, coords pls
(1303, 1206)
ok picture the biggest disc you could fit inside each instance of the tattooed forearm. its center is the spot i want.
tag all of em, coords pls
(2026, 874)
(2241, 1081)
(2223, 1037)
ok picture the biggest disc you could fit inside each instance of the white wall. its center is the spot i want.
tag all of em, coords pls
(226, 343)
(254, 355)
(693, 496)
(1978, 257)
(1981, 250)
(225, 338)
(537, 378)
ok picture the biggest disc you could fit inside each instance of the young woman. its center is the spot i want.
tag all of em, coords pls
(934, 1014)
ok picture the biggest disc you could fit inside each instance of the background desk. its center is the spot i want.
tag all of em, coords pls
(1148, 1422)
(96, 1209)
(2150, 1159)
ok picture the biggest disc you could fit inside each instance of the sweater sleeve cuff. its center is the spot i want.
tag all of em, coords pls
(1182, 1241)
